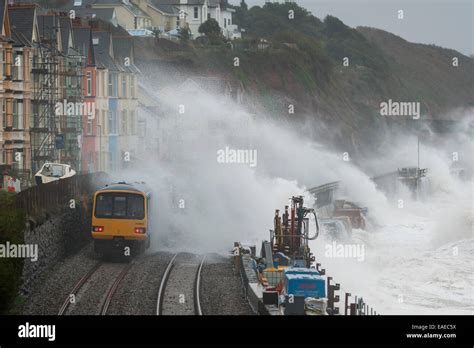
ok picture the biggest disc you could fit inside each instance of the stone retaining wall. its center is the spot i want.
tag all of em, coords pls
(57, 237)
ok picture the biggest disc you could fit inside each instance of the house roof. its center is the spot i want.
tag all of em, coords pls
(165, 8)
(102, 50)
(83, 43)
(66, 27)
(177, 2)
(48, 26)
(2, 11)
(107, 14)
(70, 4)
(123, 49)
(22, 21)
(86, 4)
(4, 22)
(212, 3)
(129, 5)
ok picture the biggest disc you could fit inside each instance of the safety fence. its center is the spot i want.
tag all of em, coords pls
(50, 196)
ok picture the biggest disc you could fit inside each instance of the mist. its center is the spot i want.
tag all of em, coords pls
(201, 203)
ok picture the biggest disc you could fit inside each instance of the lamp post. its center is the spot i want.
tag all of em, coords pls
(99, 127)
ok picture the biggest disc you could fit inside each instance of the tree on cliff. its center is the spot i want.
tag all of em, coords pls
(210, 27)
(184, 33)
(212, 30)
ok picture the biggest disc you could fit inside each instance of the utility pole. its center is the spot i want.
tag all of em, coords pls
(99, 166)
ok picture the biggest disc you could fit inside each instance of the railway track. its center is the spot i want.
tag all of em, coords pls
(110, 292)
(181, 281)
(113, 288)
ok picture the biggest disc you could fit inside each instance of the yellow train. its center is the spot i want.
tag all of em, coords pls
(120, 219)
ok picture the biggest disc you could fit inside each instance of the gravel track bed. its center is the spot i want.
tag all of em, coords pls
(178, 298)
(221, 288)
(48, 296)
(92, 294)
(138, 291)
(220, 293)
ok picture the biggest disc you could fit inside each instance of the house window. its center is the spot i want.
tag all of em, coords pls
(110, 85)
(89, 83)
(103, 123)
(225, 23)
(97, 84)
(112, 122)
(132, 86)
(17, 66)
(17, 114)
(133, 130)
(208, 16)
(102, 84)
(124, 123)
(196, 15)
(115, 85)
(2, 63)
(124, 86)
(89, 127)
(17, 154)
(4, 115)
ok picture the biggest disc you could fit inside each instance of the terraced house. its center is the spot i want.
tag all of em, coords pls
(6, 92)
(25, 35)
(127, 98)
(89, 150)
(116, 100)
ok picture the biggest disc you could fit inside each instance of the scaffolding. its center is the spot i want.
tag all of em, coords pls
(57, 79)
(46, 93)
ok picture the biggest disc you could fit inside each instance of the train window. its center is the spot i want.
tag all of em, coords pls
(135, 206)
(103, 206)
(120, 206)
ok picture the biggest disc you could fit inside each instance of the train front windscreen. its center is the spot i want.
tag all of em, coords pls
(120, 206)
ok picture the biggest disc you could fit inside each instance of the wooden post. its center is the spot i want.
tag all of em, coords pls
(236, 251)
(346, 300)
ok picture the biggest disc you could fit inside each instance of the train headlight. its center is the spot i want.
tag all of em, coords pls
(140, 230)
(98, 228)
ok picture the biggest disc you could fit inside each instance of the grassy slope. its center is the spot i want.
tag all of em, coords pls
(425, 72)
(12, 223)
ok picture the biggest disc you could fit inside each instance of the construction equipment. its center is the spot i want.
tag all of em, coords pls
(290, 236)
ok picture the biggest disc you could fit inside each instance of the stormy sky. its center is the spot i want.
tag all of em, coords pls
(446, 23)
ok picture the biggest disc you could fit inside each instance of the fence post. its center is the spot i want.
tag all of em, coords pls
(348, 294)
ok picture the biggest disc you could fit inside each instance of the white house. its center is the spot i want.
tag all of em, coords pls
(195, 12)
